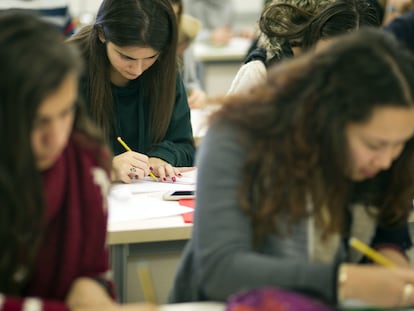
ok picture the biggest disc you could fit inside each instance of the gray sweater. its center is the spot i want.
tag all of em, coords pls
(220, 260)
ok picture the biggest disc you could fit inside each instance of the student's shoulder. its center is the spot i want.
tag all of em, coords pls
(402, 23)
(249, 75)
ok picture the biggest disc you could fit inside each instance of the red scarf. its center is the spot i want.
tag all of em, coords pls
(76, 222)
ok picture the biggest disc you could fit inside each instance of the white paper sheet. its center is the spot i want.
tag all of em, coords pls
(143, 199)
(141, 207)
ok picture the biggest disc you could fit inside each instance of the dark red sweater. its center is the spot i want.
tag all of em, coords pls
(76, 220)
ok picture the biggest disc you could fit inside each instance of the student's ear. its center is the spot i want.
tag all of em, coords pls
(101, 35)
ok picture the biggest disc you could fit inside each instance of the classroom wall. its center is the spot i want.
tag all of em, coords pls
(244, 8)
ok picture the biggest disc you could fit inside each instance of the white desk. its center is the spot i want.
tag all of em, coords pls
(194, 306)
(157, 242)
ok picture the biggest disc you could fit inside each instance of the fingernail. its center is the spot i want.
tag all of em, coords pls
(173, 179)
(151, 169)
(179, 174)
(164, 179)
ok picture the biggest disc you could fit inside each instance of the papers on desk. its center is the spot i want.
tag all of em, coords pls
(140, 207)
(143, 199)
(147, 185)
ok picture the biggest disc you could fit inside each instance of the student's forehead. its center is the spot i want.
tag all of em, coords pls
(136, 51)
(389, 123)
(61, 99)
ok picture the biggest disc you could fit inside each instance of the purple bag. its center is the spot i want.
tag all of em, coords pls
(274, 299)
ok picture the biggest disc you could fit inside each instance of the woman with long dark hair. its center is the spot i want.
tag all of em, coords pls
(132, 88)
(321, 152)
(54, 177)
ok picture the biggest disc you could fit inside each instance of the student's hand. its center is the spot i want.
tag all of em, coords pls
(197, 99)
(379, 286)
(129, 165)
(220, 36)
(87, 295)
(164, 170)
(86, 292)
(395, 256)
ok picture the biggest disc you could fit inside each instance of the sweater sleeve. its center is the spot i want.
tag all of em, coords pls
(397, 237)
(249, 75)
(178, 146)
(190, 78)
(224, 259)
(403, 29)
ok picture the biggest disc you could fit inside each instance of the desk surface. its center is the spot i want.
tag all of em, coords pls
(146, 217)
(191, 306)
(234, 51)
(155, 230)
(150, 230)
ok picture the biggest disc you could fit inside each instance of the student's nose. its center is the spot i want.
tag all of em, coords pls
(387, 156)
(138, 67)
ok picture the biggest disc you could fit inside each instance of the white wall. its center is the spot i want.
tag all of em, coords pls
(84, 6)
(91, 6)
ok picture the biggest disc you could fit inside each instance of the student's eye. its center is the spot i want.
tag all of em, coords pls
(374, 147)
(125, 57)
(68, 112)
(152, 57)
(39, 123)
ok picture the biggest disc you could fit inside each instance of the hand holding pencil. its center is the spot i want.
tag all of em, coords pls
(133, 165)
(386, 283)
(130, 165)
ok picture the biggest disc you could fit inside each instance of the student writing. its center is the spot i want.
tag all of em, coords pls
(132, 88)
(320, 152)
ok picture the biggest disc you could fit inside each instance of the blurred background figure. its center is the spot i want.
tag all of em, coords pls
(289, 27)
(394, 8)
(217, 17)
(402, 27)
(54, 11)
(188, 27)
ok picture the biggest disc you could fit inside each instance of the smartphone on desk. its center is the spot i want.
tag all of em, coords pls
(178, 195)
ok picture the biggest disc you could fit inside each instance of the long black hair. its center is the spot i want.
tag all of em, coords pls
(143, 23)
(34, 61)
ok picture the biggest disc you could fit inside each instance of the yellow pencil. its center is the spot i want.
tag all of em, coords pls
(370, 253)
(129, 149)
(123, 144)
(145, 280)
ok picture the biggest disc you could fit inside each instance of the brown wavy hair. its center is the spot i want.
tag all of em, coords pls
(303, 23)
(293, 127)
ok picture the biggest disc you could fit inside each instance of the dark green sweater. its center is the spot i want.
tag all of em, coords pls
(131, 122)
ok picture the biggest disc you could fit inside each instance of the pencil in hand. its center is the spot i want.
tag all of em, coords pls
(370, 253)
(120, 140)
